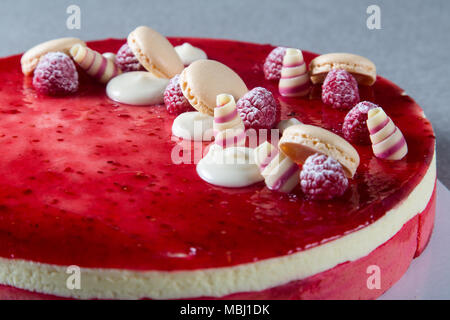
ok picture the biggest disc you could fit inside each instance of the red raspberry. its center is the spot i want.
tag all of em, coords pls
(126, 60)
(322, 178)
(55, 75)
(174, 99)
(274, 63)
(258, 109)
(340, 89)
(354, 127)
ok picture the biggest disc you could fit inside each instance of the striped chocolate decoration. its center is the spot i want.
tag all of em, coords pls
(280, 172)
(387, 140)
(294, 80)
(94, 63)
(229, 130)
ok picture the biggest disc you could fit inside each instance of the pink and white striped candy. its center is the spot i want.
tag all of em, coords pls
(279, 171)
(387, 140)
(229, 130)
(294, 80)
(95, 64)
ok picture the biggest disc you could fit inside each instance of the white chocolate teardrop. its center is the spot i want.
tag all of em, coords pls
(294, 80)
(387, 140)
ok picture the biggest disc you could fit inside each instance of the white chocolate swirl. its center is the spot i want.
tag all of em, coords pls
(387, 140)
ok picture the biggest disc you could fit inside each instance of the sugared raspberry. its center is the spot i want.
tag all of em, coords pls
(274, 63)
(322, 178)
(340, 89)
(354, 127)
(258, 109)
(126, 60)
(55, 75)
(175, 101)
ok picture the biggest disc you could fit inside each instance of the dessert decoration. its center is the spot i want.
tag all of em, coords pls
(110, 56)
(231, 167)
(55, 74)
(361, 68)
(388, 142)
(155, 52)
(193, 125)
(30, 59)
(188, 53)
(322, 178)
(138, 88)
(127, 61)
(294, 80)
(95, 65)
(300, 141)
(284, 124)
(258, 109)
(273, 64)
(229, 130)
(280, 173)
(64, 159)
(176, 103)
(340, 90)
(354, 127)
(203, 80)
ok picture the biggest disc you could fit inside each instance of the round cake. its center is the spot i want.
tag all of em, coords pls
(89, 182)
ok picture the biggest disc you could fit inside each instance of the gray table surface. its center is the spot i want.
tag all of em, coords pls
(411, 48)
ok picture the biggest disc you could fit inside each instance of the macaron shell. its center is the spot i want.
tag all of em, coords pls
(155, 52)
(360, 67)
(30, 59)
(203, 80)
(300, 141)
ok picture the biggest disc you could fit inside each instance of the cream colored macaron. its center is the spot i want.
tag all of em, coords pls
(203, 80)
(155, 52)
(30, 59)
(300, 141)
(360, 67)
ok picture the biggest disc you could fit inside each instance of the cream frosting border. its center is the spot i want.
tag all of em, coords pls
(218, 282)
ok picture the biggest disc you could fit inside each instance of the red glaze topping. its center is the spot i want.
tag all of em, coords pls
(87, 181)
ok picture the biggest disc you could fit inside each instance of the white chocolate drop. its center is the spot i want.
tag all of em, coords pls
(284, 124)
(137, 88)
(232, 167)
(188, 53)
(110, 56)
(193, 126)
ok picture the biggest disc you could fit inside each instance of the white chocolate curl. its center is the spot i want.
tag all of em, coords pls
(94, 63)
(294, 80)
(229, 130)
(387, 140)
(279, 171)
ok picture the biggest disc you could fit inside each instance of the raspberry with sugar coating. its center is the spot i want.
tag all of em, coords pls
(354, 127)
(126, 60)
(340, 89)
(274, 63)
(55, 75)
(258, 109)
(322, 178)
(176, 103)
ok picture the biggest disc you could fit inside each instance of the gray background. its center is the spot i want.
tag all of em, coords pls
(411, 49)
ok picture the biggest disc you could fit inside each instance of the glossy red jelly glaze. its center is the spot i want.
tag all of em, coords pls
(347, 280)
(90, 182)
